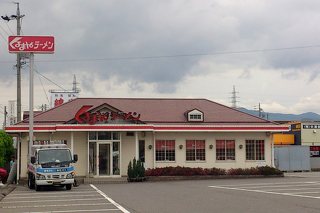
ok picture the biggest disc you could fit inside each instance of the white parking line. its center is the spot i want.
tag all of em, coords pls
(50, 193)
(305, 193)
(252, 188)
(55, 205)
(272, 190)
(278, 186)
(109, 199)
(266, 184)
(80, 210)
(64, 200)
(42, 197)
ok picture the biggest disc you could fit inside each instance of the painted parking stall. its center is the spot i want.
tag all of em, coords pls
(86, 198)
(307, 189)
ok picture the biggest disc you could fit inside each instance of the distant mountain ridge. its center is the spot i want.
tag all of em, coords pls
(308, 116)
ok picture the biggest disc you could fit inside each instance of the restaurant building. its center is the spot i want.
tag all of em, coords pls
(107, 133)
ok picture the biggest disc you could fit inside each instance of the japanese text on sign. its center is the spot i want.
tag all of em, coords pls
(82, 116)
(35, 44)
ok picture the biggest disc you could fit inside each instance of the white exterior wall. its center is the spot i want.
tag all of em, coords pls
(149, 153)
(80, 146)
(127, 152)
(210, 139)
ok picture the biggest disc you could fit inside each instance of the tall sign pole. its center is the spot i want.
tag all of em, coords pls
(31, 91)
(31, 45)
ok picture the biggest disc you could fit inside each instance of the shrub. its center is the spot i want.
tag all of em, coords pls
(240, 171)
(140, 169)
(267, 170)
(136, 171)
(187, 171)
(215, 171)
(130, 170)
(183, 171)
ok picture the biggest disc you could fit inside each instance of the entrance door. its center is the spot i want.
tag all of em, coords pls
(104, 159)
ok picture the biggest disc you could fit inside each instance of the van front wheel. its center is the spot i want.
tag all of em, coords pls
(68, 186)
(37, 187)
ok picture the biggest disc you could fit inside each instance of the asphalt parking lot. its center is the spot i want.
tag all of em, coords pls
(291, 194)
(86, 198)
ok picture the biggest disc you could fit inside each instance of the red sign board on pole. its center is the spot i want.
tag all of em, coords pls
(31, 44)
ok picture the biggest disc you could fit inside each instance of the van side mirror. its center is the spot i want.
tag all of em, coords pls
(33, 159)
(75, 158)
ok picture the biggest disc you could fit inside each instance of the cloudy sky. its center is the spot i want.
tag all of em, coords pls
(268, 49)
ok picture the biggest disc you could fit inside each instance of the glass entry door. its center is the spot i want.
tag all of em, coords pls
(93, 159)
(104, 159)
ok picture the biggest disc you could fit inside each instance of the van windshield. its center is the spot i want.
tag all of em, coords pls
(54, 156)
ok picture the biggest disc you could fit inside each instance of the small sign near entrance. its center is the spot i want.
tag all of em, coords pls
(31, 44)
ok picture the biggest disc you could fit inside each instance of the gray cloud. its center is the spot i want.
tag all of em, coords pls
(313, 75)
(246, 74)
(117, 29)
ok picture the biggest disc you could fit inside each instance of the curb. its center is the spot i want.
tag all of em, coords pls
(5, 190)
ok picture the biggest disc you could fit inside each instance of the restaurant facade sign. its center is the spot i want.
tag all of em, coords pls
(85, 117)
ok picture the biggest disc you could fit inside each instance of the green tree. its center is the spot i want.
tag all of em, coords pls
(6, 148)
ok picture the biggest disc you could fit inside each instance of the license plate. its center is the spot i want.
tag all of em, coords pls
(56, 182)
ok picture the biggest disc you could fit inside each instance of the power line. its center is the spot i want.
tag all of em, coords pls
(49, 79)
(43, 88)
(183, 55)
(176, 56)
(12, 33)
(4, 30)
(3, 37)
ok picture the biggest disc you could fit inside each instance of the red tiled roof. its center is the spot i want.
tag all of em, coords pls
(26, 114)
(153, 111)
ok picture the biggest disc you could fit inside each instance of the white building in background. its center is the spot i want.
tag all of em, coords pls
(58, 97)
(12, 115)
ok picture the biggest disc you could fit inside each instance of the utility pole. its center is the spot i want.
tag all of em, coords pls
(18, 66)
(18, 17)
(5, 117)
(259, 110)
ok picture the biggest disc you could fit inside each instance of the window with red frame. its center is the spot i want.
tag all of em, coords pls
(255, 150)
(165, 150)
(195, 150)
(225, 150)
